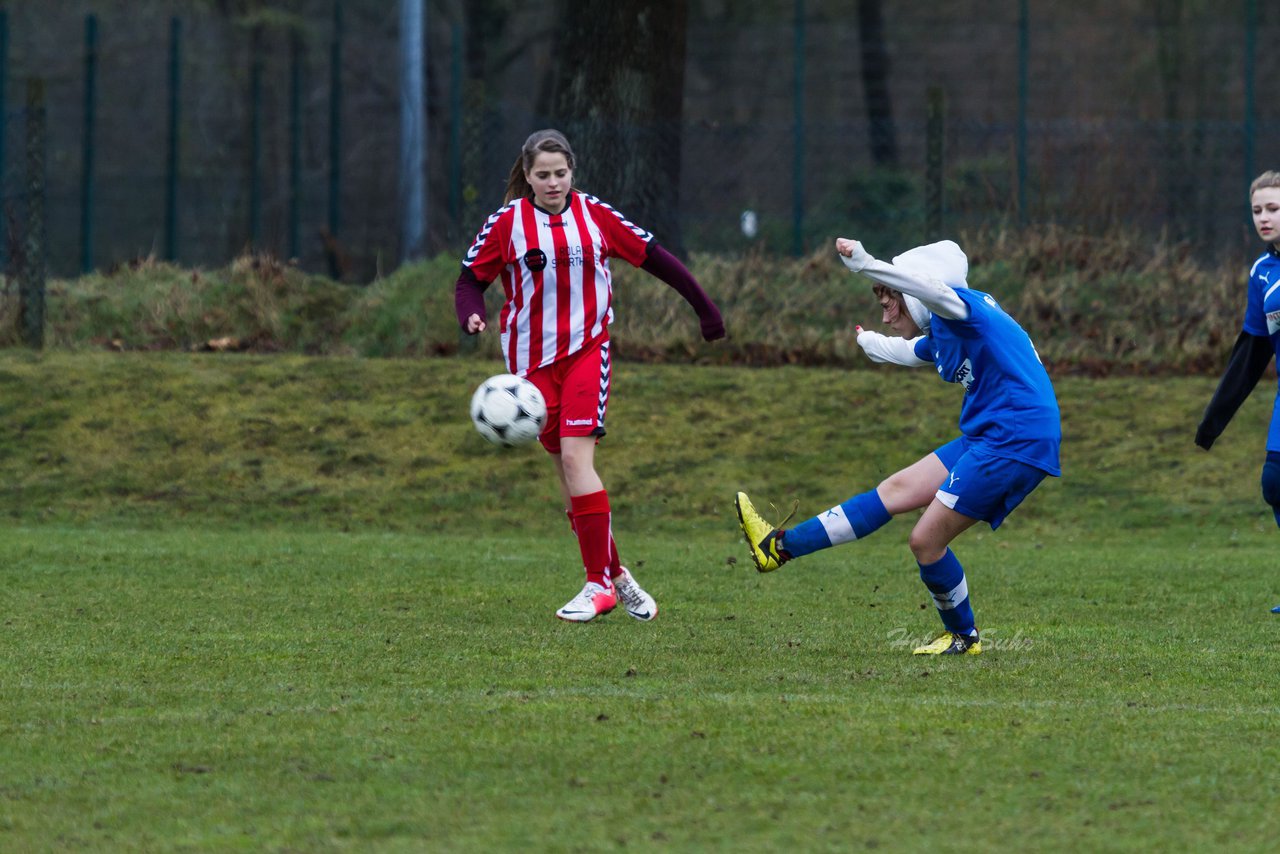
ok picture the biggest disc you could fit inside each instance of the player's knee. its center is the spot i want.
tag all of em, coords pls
(925, 548)
(1271, 482)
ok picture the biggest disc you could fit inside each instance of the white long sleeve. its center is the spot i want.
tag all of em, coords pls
(937, 296)
(915, 274)
(891, 349)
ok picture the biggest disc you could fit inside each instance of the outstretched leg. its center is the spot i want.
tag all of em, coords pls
(860, 516)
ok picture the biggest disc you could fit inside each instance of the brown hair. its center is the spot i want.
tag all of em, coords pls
(882, 291)
(539, 141)
(1266, 179)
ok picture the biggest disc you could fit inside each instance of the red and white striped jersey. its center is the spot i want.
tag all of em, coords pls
(555, 273)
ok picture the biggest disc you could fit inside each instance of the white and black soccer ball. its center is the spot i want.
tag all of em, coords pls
(508, 410)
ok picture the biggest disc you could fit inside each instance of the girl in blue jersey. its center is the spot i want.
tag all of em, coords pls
(1010, 430)
(1259, 340)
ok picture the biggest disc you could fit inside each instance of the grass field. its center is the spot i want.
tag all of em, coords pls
(296, 604)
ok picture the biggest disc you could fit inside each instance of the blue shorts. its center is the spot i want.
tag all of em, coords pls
(981, 486)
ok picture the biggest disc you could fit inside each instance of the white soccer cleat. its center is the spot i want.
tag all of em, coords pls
(593, 601)
(638, 603)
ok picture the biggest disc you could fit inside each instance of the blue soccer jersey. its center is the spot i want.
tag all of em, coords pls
(1262, 317)
(1009, 407)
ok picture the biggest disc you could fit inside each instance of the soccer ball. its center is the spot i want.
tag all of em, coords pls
(508, 410)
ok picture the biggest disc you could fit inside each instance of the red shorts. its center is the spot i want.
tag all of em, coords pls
(576, 390)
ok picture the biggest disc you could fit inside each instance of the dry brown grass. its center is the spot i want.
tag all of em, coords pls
(1092, 303)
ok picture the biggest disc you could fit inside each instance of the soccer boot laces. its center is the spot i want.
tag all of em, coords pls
(762, 538)
(593, 601)
(950, 643)
(638, 603)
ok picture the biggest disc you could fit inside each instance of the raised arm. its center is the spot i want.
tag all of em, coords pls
(937, 296)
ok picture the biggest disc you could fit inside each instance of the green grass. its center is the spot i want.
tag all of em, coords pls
(296, 604)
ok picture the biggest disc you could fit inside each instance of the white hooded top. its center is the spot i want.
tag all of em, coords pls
(927, 277)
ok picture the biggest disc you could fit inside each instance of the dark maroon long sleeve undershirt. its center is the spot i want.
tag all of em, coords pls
(665, 266)
(468, 296)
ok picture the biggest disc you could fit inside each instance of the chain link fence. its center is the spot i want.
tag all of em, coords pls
(163, 141)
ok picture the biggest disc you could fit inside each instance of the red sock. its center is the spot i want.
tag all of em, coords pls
(615, 563)
(590, 515)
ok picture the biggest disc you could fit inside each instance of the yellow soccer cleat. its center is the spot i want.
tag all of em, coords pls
(949, 643)
(762, 538)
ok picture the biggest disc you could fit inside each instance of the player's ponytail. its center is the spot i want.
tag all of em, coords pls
(538, 141)
(517, 185)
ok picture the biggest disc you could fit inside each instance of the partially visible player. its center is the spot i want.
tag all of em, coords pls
(1010, 431)
(1258, 342)
(551, 245)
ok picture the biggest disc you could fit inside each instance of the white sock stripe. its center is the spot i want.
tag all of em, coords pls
(952, 598)
(837, 526)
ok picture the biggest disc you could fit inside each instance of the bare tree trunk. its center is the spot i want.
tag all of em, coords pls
(875, 83)
(618, 94)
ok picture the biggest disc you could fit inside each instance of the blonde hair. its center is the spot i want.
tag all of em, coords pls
(1270, 178)
(538, 142)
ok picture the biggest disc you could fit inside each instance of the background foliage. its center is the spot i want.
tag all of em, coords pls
(1135, 114)
(1091, 304)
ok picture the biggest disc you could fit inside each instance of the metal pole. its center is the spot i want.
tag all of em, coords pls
(455, 132)
(86, 170)
(335, 131)
(171, 179)
(32, 290)
(4, 122)
(413, 124)
(1250, 99)
(1024, 58)
(933, 170)
(295, 141)
(255, 138)
(797, 176)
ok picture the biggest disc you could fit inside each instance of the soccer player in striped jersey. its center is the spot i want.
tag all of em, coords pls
(1258, 343)
(1010, 430)
(551, 244)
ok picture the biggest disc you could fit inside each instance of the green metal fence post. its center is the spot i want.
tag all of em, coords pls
(1250, 126)
(1024, 58)
(171, 176)
(455, 132)
(31, 292)
(295, 142)
(797, 174)
(255, 138)
(4, 123)
(933, 170)
(87, 171)
(335, 134)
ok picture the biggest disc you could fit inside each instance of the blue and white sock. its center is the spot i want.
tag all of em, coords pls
(945, 580)
(856, 518)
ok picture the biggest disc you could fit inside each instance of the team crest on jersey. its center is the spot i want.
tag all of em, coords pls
(535, 260)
